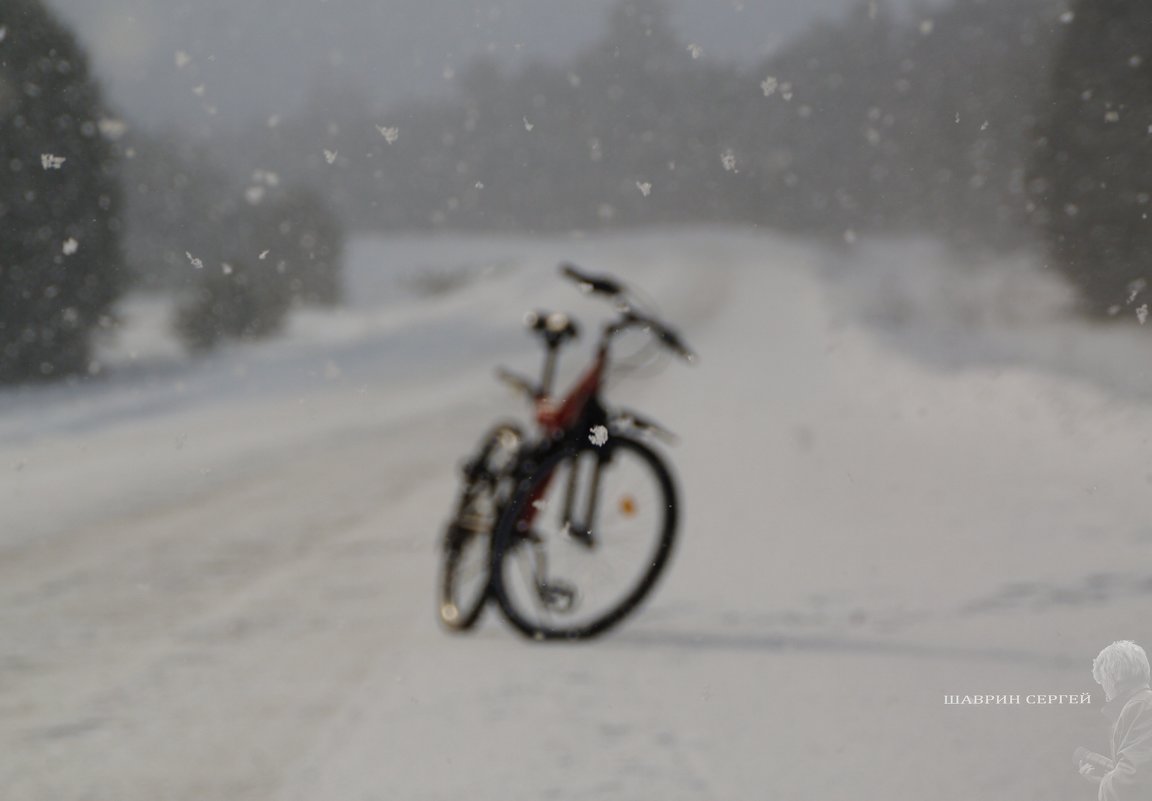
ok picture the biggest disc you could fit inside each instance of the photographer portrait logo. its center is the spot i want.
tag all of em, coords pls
(1126, 773)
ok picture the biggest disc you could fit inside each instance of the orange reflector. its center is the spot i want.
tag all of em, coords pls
(627, 506)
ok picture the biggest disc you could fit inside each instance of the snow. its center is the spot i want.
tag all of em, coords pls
(905, 474)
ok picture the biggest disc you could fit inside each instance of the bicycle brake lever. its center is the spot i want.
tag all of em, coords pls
(631, 419)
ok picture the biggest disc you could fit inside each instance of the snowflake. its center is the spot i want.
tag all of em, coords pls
(197, 263)
(112, 129)
(539, 505)
(330, 156)
(696, 51)
(644, 187)
(182, 59)
(263, 255)
(598, 436)
(198, 90)
(1112, 116)
(926, 27)
(728, 159)
(479, 184)
(527, 125)
(390, 134)
(226, 268)
(1067, 17)
(70, 246)
(3, 32)
(50, 162)
(769, 86)
(1142, 313)
(254, 194)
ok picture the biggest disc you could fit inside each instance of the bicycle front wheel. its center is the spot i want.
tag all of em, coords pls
(584, 540)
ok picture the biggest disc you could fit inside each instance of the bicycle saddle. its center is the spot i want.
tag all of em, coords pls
(554, 327)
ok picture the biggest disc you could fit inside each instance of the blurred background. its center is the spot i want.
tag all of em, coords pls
(258, 259)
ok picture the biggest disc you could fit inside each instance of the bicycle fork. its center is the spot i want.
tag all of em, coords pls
(581, 530)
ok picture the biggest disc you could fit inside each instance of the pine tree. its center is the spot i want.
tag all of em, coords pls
(60, 258)
(1092, 174)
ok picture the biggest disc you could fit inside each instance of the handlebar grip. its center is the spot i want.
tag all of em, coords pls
(672, 341)
(597, 284)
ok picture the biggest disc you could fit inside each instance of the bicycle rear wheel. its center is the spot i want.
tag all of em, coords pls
(466, 546)
(584, 540)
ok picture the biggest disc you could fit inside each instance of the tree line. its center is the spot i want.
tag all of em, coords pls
(990, 124)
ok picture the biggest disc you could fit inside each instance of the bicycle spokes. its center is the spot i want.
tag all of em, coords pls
(598, 525)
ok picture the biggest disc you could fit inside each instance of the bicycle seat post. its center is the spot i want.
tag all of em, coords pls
(551, 346)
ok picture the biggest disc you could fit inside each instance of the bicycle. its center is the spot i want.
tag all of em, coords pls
(567, 532)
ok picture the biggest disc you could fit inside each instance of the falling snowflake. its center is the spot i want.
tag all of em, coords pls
(198, 90)
(197, 263)
(957, 117)
(728, 159)
(644, 187)
(1067, 17)
(527, 125)
(263, 254)
(50, 162)
(70, 246)
(266, 177)
(786, 91)
(538, 505)
(273, 121)
(1142, 313)
(112, 129)
(926, 27)
(1112, 116)
(1135, 288)
(226, 268)
(769, 86)
(390, 134)
(598, 436)
(984, 125)
(330, 156)
(3, 32)
(254, 194)
(696, 51)
(182, 59)
(479, 184)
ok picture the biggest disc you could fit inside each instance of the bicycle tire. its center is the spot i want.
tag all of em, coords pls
(510, 536)
(470, 531)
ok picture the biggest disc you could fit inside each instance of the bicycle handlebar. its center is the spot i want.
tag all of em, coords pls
(596, 284)
(630, 317)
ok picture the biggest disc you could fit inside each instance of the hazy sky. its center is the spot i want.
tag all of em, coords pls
(180, 61)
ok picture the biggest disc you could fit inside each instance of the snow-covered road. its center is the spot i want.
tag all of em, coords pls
(216, 578)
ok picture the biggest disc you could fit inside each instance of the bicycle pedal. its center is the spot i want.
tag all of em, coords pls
(558, 596)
